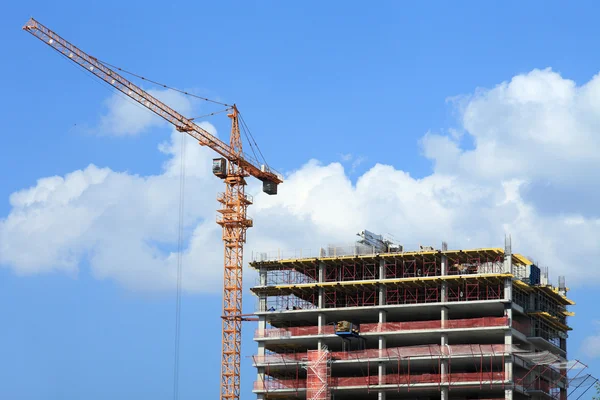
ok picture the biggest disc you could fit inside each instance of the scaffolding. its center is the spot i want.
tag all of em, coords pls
(488, 360)
(483, 322)
(343, 266)
(548, 373)
(318, 374)
(395, 293)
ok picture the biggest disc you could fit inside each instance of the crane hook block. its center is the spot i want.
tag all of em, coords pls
(219, 167)
(269, 187)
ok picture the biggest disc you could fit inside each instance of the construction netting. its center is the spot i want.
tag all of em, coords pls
(401, 380)
(427, 351)
(386, 327)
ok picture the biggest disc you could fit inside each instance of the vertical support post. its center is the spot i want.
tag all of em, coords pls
(508, 361)
(444, 317)
(444, 365)
(382, 319)
(507, 255)
(321, 299)
(260, 377)
(321, 304)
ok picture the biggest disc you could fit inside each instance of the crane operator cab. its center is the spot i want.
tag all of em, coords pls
(219, 169)
(269, 187)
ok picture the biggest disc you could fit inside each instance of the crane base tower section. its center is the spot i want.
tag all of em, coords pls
(429, 324)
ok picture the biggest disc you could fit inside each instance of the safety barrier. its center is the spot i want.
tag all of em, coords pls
(295, 331)
(523, 327)
(386, 327)
(437, 324)
(433, 350)
(389, 379)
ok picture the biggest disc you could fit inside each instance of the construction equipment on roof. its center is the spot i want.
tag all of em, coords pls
(234, 166)
(343, 328)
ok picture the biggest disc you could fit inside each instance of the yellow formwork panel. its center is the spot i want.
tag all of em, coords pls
(568, 313)
(550, 290)
(551, 320)
(517, 259)
(371, 282)
(522, 285)
(553, 292)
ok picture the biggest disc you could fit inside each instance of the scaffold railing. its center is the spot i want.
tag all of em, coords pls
(399, 380)
(352, 269)
(394, 295)
(484, 322)
(548, 372)
(393, 353)
(523, 327)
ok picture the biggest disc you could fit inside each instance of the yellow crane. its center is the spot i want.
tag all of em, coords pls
(234, 166)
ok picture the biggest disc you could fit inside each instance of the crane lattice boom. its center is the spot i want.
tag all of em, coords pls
(92, 65)
(233, 214)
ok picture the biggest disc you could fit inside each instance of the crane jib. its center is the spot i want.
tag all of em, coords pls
(92, 65)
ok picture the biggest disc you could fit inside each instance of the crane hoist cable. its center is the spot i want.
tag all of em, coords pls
(245, 129)
(180, 232)
(211, 114)
(249, 136)
(163, 85)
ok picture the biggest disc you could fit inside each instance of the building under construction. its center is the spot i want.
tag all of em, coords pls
(372, 321)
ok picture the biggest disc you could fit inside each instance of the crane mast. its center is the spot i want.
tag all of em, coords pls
(234, 221)
(233, 167)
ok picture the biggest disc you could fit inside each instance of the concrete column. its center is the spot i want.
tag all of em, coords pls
(321, 299)
(508, 361)
(444, 393)
(382, 319)
(508, 289)
(262, 299)
(321, 271)
(322, 322)
(444, 271)
(444, 347)
(444, 265)
(508, 312)
(262, 303)
(444, 318)
(260, 376)
(507, 255)
(262, 325)
(382, 346)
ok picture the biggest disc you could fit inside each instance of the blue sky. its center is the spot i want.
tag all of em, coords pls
(434, 112)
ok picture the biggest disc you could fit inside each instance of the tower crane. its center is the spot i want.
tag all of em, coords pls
(233, 166)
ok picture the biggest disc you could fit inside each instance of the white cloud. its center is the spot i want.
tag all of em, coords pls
(591, 344)
(354, 161)
(124, 226)
(538, 126)
(126, 117)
